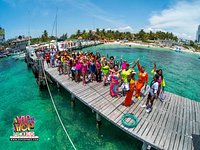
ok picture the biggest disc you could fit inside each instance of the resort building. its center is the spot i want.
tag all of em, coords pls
(2, 35)
(19, 44)
(198, 34)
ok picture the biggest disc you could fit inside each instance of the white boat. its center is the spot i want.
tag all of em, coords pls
(178, 49)
(19, 56)
(3, 55)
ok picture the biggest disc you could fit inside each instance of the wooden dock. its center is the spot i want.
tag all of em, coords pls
(169, 126)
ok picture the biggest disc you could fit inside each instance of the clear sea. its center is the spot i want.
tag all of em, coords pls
(20, 95)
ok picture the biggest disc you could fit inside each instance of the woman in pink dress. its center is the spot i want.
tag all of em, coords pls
(78, 70)
(84, 69)
(114, 82)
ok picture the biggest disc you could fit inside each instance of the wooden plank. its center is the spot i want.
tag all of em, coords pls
(180, 125)
(162, 122)
(167, 126)
(101, 103)
(185, 128)
(111, 108)
(142, 129)
(181, 143)
(169, 133)
(155, 133)
(154, 129)
(172, 141)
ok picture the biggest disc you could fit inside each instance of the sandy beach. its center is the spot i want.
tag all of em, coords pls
(153, 46)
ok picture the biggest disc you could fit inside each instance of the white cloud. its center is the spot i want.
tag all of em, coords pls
(182, 18)
(122, 29)
(125, 29)
(154, 29)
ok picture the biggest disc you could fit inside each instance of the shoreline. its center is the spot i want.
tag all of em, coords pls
(151, 46)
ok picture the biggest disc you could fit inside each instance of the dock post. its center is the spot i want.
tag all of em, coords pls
(145, 146)
(72, 100)
(98, 121)
(58, 86)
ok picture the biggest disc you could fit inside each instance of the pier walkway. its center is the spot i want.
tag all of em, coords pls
(169, 126)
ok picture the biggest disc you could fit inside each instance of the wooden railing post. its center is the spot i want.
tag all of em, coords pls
(72, 100)
(98, 121)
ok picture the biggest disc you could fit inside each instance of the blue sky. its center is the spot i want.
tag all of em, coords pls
(179, 17)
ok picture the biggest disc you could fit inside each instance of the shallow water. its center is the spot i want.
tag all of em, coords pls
(20, 95)
(181, 70)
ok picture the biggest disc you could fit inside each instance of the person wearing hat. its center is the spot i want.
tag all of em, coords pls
(128, 99)
(152, 94)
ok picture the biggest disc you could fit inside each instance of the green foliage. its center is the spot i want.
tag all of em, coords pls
(145, 36)
(117, 35)
(102, 34)
(2, 31)
(5, 44)
(192, 43)
(195, 45)
(64, 36)
(44, 38)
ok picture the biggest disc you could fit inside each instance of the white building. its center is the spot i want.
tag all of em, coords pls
(2, 35)
(19, 44)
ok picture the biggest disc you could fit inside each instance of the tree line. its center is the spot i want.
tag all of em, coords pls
(110, 35)
(117, 35)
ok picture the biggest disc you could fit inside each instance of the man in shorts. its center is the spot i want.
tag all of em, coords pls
(152, 94)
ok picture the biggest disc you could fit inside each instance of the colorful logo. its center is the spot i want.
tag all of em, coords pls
(23, 129)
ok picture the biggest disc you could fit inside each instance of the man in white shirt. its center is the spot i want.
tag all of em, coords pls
(152, 94)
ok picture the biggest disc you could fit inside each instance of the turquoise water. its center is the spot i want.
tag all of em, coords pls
(20, 95)
(181, 70)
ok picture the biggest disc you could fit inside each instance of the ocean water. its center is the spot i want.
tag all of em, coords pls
(181, 70)
(20, 96)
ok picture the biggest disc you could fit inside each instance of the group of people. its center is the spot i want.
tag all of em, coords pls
(119, 74)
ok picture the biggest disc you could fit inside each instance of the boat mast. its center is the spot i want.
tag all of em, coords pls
(29, 40)
(56, 29)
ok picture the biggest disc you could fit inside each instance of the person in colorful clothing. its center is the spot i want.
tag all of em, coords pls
(52, 59)
(98, 70)
(69, 65)
(114, 81)
(105, 70)
(47, 58)
(92, 69)
(125, 74)
(125, 78)
(152, 94)
(128, 99)
(78, 70)
(161, 81)
(142, 79)
(60, 61)
(84, 70)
